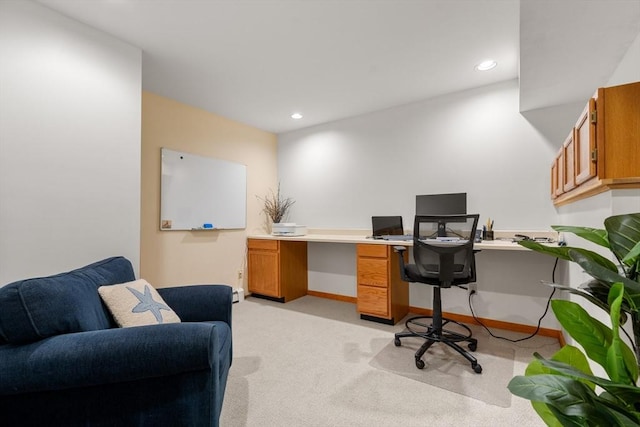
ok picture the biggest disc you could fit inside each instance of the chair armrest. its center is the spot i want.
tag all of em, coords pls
(108, 356)
(401, 250)
(200, 303)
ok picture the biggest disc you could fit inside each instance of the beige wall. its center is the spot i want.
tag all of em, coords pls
(170, 258)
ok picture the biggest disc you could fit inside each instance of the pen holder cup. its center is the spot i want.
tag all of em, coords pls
(487, 235)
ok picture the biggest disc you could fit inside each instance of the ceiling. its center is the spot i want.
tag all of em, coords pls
(258, 62)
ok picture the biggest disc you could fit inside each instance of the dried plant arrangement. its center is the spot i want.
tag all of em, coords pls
(276, 206)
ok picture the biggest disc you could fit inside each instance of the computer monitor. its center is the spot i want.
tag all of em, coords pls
(442, 204)
(387, 225)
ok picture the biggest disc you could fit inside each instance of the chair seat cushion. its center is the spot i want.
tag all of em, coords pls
(432, 274)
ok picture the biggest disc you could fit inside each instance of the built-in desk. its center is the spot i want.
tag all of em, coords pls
(277, 269)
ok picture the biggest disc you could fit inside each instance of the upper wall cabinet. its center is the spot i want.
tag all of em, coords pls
(602, 151)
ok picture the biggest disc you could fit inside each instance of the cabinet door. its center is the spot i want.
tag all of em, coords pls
(554, 178)
(618, 132)
(373, 301)
(264, 274)
(585, 144)
(559, 172)
(568, 150)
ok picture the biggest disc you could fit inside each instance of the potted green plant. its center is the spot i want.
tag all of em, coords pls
(564, 391)
(557, 386)
(621, 236)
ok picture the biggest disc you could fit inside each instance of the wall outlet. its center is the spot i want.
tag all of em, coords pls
(472, 288)
(239, 274)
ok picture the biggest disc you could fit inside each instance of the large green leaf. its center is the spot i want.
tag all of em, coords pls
(562, 252)
(544, 412)
(620, 393)
(632, 288)
(564, 395)
(564, 420)
(594, 292)
(621, 362)
(618, 415)
(569, 355)
(595, 235)
(594, 336)
(556, 390)
(633, 255)
(624, 236)
(535, 368)
(620, 398)
(598, 293)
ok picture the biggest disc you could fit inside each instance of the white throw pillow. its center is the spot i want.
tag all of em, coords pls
(136, 303)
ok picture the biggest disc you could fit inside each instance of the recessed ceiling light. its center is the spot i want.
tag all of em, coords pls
(296, 116)
(486, 65)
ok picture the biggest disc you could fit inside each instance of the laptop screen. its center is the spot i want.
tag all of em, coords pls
(387, 225)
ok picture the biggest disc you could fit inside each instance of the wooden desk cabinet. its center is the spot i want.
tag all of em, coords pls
(603, 149)
(277, 269)
(382, 295)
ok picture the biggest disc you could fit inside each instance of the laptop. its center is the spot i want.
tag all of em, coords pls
(389, 228)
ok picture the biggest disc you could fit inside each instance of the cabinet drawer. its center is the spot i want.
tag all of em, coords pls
(373, 301)
(269, 245)
(373, 271)
(378, 251)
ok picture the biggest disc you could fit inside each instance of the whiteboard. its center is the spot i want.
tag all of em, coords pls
(201, 193)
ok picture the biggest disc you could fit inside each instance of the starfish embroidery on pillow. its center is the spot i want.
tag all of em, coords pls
(147, 303)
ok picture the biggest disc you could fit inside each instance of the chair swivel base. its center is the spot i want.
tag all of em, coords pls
(416, 327)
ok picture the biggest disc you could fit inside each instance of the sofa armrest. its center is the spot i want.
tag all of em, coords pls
(108, 356)
(200, 303)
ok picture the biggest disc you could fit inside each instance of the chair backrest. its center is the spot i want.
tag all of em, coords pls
(33, 309)
(443, 248)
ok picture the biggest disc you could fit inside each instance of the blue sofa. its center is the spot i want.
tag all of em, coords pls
(64, 362)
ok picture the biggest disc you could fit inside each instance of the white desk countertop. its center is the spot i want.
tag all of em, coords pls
(504, 245)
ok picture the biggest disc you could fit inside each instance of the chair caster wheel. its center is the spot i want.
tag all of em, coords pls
(397, 342)
(477, 368)
(420, 364)
(473, 346)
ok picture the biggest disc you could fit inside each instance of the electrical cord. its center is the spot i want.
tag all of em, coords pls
(546, 310)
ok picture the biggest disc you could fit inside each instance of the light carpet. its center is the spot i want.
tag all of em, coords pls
(308, 363)
(445, 368)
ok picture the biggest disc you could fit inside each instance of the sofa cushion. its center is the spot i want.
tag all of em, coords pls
(136, 303)
(33, 309)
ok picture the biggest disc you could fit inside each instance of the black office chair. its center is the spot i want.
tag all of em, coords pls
(444, 257)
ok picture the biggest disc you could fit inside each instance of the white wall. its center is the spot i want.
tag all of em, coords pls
(628, 71)
(70, 119)
(592, 212)
(342, 173)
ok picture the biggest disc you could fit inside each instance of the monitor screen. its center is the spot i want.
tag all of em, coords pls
(387, 225)
(441, 204)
